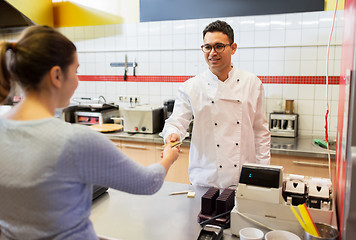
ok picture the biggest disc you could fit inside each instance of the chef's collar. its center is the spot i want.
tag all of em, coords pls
(230, 74)
(212, 76)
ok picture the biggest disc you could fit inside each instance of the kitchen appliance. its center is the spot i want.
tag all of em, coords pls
(95, 111)
(259, 202)
(98, 116)
(88, 111)
(283, 124)
(66, 114)
(168, 107)
(143, 119)
(190, 128)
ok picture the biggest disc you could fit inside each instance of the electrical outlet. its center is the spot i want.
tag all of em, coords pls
(136, 99)
(129, 98)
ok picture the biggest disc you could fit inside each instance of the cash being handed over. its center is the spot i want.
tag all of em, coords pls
(173, 144)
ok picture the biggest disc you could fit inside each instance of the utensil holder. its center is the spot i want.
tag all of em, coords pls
(326, 232)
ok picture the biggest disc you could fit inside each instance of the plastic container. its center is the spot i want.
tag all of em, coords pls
(326, 232)
(281, 235)
(251, 234)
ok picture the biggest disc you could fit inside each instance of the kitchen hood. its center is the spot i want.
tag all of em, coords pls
(10, 17)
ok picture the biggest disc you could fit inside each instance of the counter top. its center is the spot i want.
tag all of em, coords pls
(119, 215)
(138, 137)
(299, 146)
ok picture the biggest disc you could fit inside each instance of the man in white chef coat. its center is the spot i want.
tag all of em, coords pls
(230, 126)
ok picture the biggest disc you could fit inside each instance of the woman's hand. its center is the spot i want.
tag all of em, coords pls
(169, 155)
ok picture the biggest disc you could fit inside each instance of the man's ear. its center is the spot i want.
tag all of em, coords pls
(56, 76)
(233, 48)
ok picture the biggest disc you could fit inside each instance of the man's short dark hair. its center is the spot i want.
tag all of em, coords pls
(220, 26)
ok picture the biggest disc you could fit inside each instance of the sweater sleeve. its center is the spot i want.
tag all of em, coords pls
(91, 158)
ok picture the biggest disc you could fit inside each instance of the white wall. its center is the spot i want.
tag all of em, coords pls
(270, 45)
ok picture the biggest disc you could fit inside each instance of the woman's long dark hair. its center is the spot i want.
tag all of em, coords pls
(38, 50)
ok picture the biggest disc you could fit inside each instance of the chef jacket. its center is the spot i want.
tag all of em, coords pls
(230, 126)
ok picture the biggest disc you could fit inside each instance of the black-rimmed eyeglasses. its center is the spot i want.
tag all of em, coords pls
(219, 47)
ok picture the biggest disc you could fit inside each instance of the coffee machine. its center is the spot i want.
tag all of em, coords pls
(168, 108)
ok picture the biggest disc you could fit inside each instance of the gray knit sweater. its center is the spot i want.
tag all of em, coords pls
(47, 168)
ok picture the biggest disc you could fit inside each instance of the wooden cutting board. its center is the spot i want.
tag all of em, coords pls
(107, 127)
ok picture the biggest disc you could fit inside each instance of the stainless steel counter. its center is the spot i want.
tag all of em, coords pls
(119, 215)
(140, 137)
(299, 146)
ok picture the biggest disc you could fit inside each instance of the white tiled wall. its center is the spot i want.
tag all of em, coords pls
(270, 45)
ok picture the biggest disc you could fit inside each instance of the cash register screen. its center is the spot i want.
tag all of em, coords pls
(262, 177)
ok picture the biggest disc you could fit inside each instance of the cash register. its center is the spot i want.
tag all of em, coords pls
(263, 199)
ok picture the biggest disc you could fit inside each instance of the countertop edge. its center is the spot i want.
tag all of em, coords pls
(302, 153)
(313, 151)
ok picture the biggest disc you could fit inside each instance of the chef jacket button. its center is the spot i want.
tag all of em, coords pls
(216, 124)
(235, 165)
(237, 144)
(238, 122)
(212, 101)
(217, 145)
(238, 80)
(220, 166)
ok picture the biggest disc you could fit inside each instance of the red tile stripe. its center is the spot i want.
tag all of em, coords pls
(333, 80)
